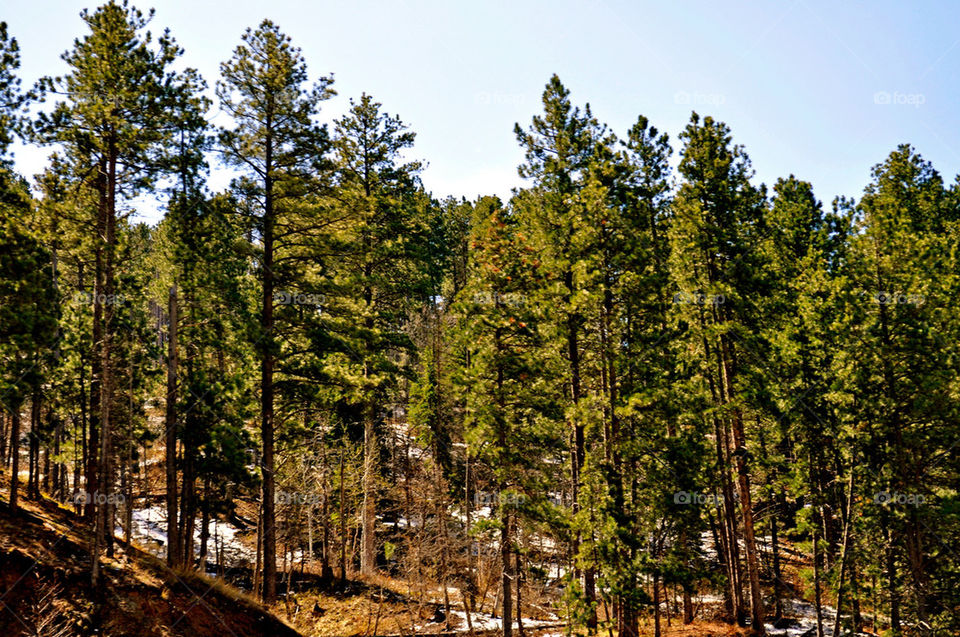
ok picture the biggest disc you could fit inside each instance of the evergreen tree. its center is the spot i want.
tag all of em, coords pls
(278, 144)
(12, 98)
(511, 405)
(114, 126)
(381, 241)
(559, 148)
(28, 312)
(897, 380)
(716, 264)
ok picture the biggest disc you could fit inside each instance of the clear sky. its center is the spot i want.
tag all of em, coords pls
(821, 89)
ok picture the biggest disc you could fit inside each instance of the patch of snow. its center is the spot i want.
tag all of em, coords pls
(150, 529)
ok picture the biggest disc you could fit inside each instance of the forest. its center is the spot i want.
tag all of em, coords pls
(646, 395)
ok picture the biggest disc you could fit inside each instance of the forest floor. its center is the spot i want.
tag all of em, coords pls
(44, 578)
(45, 584)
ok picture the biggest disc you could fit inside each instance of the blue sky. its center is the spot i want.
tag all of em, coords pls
(823, 90)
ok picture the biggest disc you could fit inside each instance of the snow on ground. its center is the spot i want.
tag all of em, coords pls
(806, 620)
(150, 529)
(483, 621)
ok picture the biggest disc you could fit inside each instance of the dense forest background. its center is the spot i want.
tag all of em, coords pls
(623, 388)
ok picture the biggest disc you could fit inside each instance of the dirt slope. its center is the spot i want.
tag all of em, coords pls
(45, 590)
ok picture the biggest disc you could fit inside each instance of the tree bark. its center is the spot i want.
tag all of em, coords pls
(817, 586)
(343, 526)
(266, 377)
(844, 555)
(173, 534)
(106, 302)
(14, 455)
(746, 506)
(368, 555)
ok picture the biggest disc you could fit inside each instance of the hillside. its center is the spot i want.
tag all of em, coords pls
(44, 576)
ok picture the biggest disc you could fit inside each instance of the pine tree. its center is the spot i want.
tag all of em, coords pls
(381, 241)
(559, 148)
(897, 380)
(113, 125)
(632, 221)
(12, 98)
(277, 142)
(715, 261)
(28, 311)
(510, 405)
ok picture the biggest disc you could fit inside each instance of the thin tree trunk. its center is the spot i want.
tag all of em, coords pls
(892, 581)
(33, 449)
(266, 379)
(368, 554)
(507, 572)
(204, 524)
(14, 455)
(847, 531)
(258, 568)
(746, 504)
(106, 384)
(656, 605)
(343, 526)
(579, 449)
(817, 586)
(173, 529)
(777, 574)
(519, 580)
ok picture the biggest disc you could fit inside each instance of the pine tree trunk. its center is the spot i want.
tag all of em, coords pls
(106, 384)
(3, 439)
(817, 578)
(14, 455)
(746, 505)
(96, 359)
(343, 526)
(518, 577)
(844, 554)
(727, 515)
(729, 526)
(855, 592)
(188, 501)
(58, 468)
(173, 532)
(127, 508)
(33, 472)
(368, 555)
(45, 484)
(266, 381)
(507, 578)
(893, 585)
(578, 454)
(204, 524)
(777, 575)
(656, 605)
(258, 568)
